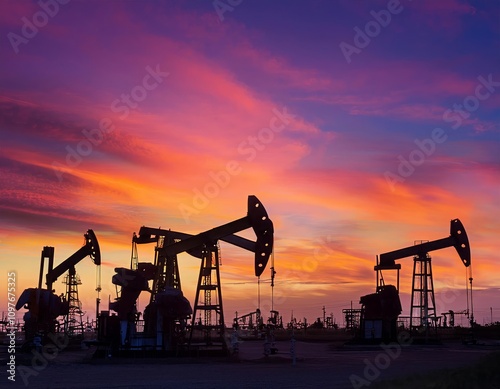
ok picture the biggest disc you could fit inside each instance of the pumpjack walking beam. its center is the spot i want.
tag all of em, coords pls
(256, 218)
(458, 239)
(90, 248)
(150, 235)
(168, 263)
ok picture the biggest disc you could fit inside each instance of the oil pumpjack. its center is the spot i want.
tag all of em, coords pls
(43, 305)
(381, 309)
(165, 323)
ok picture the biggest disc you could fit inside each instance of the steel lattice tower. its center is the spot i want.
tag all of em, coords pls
(73, 321)
(423, 305)
(209, 289)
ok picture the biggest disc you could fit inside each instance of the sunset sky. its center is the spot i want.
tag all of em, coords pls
(361, 126)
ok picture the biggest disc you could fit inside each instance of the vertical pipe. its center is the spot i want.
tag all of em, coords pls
(272, 280)
(258, 293)
(398, 280)
(272, 298)
(471, 303)
(467, 291)
(51, 266)
(219, 291)
(412, 294)
(42, 265)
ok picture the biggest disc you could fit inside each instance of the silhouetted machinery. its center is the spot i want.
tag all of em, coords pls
(380, 310)
(249, 323)
(43, 305)
(165, 324)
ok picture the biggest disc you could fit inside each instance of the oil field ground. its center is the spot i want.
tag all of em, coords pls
(318, 363)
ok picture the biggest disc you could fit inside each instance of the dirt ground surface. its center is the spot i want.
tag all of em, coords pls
(316, 365)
